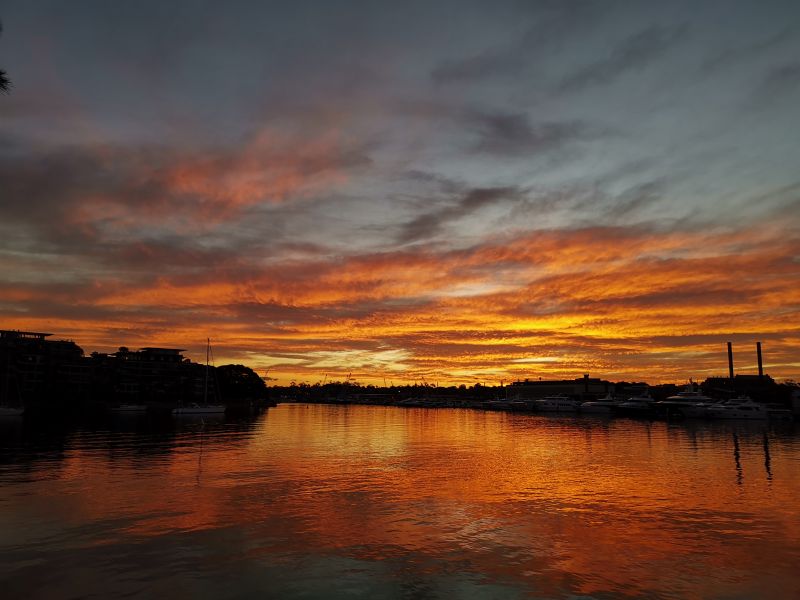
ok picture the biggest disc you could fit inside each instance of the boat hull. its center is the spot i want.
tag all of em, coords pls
(636, 412)
(130, 408)
(682, 410)
(595, 408)
(567, 408)
(737, 415)
(199, 410)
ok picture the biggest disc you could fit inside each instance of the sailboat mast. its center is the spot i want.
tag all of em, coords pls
(205, 387)
(6, 383)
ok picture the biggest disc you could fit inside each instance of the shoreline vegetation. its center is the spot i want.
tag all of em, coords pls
(55, 377)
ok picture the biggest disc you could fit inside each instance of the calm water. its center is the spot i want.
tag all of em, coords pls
(314, 501)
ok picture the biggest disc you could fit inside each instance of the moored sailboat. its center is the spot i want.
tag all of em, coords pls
(205, 408)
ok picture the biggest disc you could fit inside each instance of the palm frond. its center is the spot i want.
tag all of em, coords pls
(5, 82)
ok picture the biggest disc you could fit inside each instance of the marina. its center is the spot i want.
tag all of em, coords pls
(593, 396)
(688, 404)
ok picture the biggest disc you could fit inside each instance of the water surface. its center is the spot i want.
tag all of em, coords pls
(317, 501)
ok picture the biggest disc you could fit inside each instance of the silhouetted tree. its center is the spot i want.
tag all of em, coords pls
(5, 82)
(238, 382)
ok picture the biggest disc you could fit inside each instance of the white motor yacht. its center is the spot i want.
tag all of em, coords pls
(742, 407)
(496, 404)
(603, 406)
(557, 403)
(637, 406)
(689, 403)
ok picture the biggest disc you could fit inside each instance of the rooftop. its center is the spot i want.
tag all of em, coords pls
(16, 334)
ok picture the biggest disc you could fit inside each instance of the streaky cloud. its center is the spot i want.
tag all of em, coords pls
(553, 23)
(428, 225)
(734, 55)
(632, 54)
(513, 134)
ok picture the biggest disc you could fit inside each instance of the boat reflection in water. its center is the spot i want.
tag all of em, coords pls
(321, 501)
(743, 408)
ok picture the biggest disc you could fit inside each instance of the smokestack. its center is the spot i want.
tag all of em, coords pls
(730, 360)
(760, 364)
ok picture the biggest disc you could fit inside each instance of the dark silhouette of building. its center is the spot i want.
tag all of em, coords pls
(580, 387)
(35, 369)
(55, 376)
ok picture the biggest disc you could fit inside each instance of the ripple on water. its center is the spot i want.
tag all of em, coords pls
(315, 501)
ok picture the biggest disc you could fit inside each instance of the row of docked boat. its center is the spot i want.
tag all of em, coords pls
(689, 403)
(183, 409)
(686, 404)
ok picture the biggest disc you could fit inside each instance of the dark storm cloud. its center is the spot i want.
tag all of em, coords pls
(429, 224)
(507, 134)
(632, 54)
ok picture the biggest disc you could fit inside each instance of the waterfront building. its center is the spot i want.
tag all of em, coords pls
(580, 387)
(34, 368)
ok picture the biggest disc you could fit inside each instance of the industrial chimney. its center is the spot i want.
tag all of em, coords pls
(730, 360)
(760, 364)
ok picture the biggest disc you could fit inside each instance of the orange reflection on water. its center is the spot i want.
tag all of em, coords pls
(551, 506)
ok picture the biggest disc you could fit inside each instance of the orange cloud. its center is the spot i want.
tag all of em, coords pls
(270, 168)
(622, 303)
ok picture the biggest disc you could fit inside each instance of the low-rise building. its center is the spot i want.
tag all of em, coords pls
(580, 387)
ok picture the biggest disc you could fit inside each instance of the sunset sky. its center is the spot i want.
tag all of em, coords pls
(453, 192)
